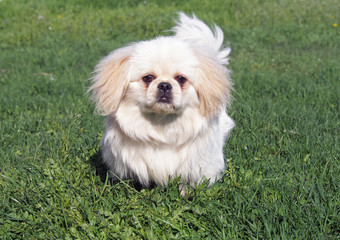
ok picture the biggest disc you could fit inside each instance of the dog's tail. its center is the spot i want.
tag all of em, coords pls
(198, 33)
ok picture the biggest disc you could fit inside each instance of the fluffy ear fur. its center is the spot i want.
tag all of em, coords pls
(111, 80)
(213, 86)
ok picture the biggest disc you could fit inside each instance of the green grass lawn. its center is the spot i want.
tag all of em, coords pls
(282, 169)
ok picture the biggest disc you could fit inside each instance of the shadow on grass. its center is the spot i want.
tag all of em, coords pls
(103, 171)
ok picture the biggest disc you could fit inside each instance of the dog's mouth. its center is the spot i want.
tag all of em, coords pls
(164, 98)
(163, 105)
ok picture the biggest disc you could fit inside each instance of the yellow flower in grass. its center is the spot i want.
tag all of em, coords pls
(59, 16)
(335, 25)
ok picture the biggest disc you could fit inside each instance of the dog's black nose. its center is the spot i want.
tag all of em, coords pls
(164, 87)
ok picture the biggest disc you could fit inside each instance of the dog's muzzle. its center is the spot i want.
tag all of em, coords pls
(164, 92)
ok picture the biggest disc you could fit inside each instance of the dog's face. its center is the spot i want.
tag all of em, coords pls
(163, 76)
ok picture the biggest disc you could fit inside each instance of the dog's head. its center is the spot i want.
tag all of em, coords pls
(162, 76)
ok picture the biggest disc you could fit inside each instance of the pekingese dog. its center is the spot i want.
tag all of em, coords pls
(165, 101)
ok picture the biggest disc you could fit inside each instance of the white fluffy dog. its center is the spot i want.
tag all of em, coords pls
(165, 102)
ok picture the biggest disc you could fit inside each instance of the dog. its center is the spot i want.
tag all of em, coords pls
(165, 104)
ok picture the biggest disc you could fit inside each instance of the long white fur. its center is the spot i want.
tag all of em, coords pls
(196, 32)
(150, 146)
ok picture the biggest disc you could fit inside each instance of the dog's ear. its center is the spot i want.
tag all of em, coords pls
(111, 80)
(213, 86)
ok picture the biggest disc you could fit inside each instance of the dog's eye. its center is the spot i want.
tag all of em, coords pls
(148, 78)
(180, 79)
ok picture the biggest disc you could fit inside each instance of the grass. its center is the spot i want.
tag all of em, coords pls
(282, 168)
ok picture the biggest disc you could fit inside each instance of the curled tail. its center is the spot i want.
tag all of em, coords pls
(199, 34)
